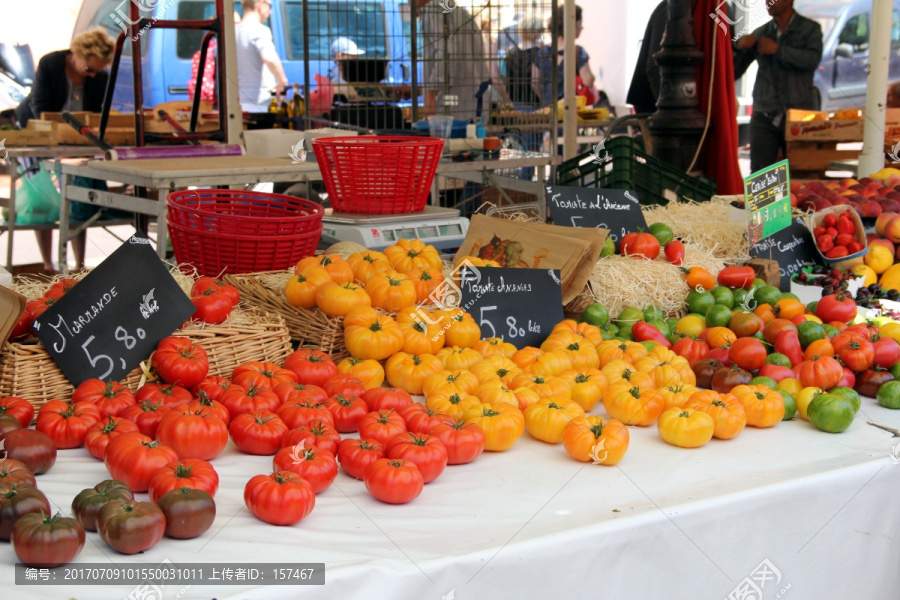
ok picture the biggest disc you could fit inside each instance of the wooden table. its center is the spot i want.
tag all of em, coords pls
(10, 167)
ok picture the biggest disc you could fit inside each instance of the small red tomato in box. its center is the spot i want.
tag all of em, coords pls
(825, 243)
(830, 220)
(855, 247)
(819, 231)
(844, 239)
(845, 224)
(831, 231)
(837, 252)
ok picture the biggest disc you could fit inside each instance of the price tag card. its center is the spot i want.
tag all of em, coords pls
(616, 210)
(114, 317)
(792, 248)
(768, 201)
(520, 306)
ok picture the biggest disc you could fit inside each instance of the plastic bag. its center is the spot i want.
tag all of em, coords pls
(37, 200)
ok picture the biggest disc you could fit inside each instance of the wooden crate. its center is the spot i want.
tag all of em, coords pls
(120, 129)
(816, 156)
(30, 136)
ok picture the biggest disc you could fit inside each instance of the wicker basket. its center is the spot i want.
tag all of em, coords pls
(309, 328)
(28, 371)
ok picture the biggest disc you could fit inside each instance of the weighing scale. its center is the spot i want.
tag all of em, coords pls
(443, 228)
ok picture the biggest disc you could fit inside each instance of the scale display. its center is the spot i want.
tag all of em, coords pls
(444, 233)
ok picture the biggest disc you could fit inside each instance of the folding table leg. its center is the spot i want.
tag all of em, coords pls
(13, 173)
(63, 223)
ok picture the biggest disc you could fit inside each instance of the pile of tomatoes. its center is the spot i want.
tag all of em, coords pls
(836, 236)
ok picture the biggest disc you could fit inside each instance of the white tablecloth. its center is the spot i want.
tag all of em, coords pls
(821, 508)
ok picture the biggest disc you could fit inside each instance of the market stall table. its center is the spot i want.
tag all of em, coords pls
(10, 167)
(168, 175)
(801, 513)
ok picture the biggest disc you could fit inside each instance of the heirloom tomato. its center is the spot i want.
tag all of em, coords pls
(190, 472)
(464, 441)
(823, 372)
(318, 467)
(747, 353)
(133, 458)
(212, 387)
(17, 499)
(387, 398)
(381, 426)
(338, 299)
(356, 455)
(462, 329)
(644, 245)
(33, 448)
(87, 504)
(394, 481)
(240, 400)
(300, 289)
(257, 432)
(262, 374)
(312, 367)
(21, 409)
(315, 434)
(110, 398)
(8, 423)
(503, 425)
(40, 540)
(179, 360)
(345, 385)
(408, 371)
(338, 268)
(632, 404)
(193, 433)
(369, 372)
(66, 423)
(763, 406)
(686, 427)
(15, 471)
(130, 527)
(281, 498)
(830, 413)
(301, 412)
(146, 415)
(391, 291)
(867, 383)
(547, 418)
(726, 410)
(212, 306)
(590, 438)
(420, 336)
(211, 283)
(407, 255)
(168, 395)
(419, 418)
(348, 412)
(426, 451)
(100, 433)
(369, 334)
(189, 512)
(295, 392)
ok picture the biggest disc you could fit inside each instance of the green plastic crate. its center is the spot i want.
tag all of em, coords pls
(626, 166)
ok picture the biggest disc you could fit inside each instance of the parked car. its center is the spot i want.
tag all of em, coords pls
(840, 81)
(379, 27)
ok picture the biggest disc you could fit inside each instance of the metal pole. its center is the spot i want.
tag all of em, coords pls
(414, 60)
(570, 106)
(235, 125)
(306, 55)
(872, 157)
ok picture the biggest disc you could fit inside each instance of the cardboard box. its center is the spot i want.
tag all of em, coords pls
(816, 156)
(12, 305)
(845, 262)
(767, 270)
(821, 128)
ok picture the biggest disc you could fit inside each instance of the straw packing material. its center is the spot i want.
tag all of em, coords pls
(706, 225)
(621, 281)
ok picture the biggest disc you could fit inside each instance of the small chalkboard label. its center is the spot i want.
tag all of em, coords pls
(616, 210)
(520, 306)
(792, 248)
(114, 317)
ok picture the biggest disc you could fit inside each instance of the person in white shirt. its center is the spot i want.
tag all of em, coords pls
(342, 48)
(259, 67)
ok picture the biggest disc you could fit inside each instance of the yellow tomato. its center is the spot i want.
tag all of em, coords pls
(686, 427)
(690, 325)
(369, 334)
(891, 330)
(408, 371)
(790, 385)
(450, 382)
(368, 371)
(803, 399)
(336, 299)
(461, 329)
(810, 317)
(867, 273)
(502, 424)
(588, 386)
(421, 333)
(300, 289)
(391, 290)
(453, 405)
(546, 419)
(456, 358)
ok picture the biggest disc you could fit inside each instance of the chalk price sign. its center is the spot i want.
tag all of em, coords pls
(520, 306)
(619, 211)
(792, 248)
(114, 318)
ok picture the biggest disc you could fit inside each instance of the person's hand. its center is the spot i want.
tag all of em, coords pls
(746, 41)
(767, 46)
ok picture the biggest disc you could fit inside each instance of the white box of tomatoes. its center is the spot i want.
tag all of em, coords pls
(845, 262)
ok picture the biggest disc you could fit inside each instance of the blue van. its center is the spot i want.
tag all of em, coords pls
(840, 80)
(379, 27)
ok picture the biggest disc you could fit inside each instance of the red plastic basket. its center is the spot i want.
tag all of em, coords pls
(243, 212)
(378, 174)
(234, 231)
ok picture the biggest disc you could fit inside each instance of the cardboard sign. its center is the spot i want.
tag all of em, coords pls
(521, 306)
(114, 317)
(616, 210)
(768, 201)
(792, 248)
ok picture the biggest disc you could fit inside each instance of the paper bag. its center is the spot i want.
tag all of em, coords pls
(574, 251)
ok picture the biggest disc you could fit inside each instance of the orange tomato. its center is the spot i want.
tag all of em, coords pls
(408, 371)
(368, 371)
(720, 337)
(428, 283)
(391, 290)
(369, 334)
(456, 358)
(300, 289)
(337, 267)
(763, 405)
(461, 329)
(495, 367)
(546, 419)
(725, 409)
(745, 324)
(450, 382)
(407, 255)
(821, 347)
(677, 394)
(588, 386)
(788, 308)
(586, 330)
(494, 346)
(765, 312)
(590, 438)
(421, 334)
(527, 356)
(699, 277)
(632, 404)
(336, 299)
(366, 263)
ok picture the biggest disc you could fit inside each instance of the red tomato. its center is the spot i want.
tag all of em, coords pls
(212, 306)
(381, 426)
(170, 395)
(318, 467)
(387, 398)
(394, 481)
(14, 471)
(747, 353)
(312, 367)
(131, 527)
(33, 448)
(836, 307)
(640, 244)
(347, 412)
(426, 451)
(100, 433)
(133, 458)
(66, 423)
(301, 412)
(261, 374)
(675, 252)
(736, 277)
(38, 306)
(858, 355)
(690, 349)
(420, 419)
(212, 387)
(146, 415)
(22, 329)
(823, 372)
(849, 378)
(190, 472)
(867, 383)
(775, 372)
(887, 353)
(111, 398)
(21, 409)
(211, 283)
(318, 433)
(60, 287)
(727, 378)
(208, 406)
(356, 455)
(44, 541)
(292, 392)
(196, 434)
(345, 385)
(282, 498)
(178, 360)
(258, 432)
(239, 399)
(464, 441)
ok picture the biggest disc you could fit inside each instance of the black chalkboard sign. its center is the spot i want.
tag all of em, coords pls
(616, 210)
(114, 317)
(519, 305)
(792, 248)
